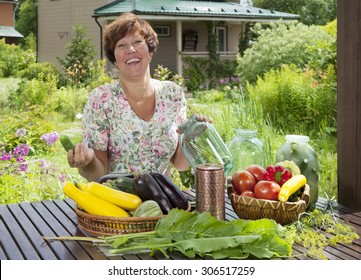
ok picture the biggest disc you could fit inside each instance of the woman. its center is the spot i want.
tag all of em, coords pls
(131, 124)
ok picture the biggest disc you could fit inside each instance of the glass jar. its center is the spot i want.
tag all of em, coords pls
(201, 144)
(246, 149)
(298, 149)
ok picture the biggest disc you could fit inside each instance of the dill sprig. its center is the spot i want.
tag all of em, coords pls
(320, 228)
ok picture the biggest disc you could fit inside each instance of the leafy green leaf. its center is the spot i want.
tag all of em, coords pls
(194, 233)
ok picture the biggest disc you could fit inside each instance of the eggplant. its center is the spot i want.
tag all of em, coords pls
(148, 189)
(175, 195)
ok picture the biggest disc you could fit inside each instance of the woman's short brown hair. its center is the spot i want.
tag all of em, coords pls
(125, 24)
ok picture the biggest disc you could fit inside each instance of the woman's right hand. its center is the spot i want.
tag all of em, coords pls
(81, 156)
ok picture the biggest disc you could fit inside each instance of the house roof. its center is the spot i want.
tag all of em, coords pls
(179, 8)
(9, 31)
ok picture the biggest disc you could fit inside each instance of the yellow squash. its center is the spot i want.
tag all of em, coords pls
(91, 203)
(291, 186)
(125, 200)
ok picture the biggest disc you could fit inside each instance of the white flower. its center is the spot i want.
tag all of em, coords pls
(79, 116)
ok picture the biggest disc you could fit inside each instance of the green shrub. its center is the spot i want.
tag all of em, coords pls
(164, 74)
(295, 100)
(13, 59)
(39, 70)
(195, 72)
(98, 76)
(291, 43)
(37, 91)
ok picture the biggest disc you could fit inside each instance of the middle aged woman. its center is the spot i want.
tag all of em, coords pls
(131, 124)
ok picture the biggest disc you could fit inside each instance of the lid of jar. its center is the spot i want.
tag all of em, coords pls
(246, 132)
(297, 138)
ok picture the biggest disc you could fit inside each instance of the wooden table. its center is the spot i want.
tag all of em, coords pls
(23, 226)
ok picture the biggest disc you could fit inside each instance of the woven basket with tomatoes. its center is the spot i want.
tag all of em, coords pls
(255, 194)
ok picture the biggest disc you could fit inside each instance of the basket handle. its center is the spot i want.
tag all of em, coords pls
(306, 195)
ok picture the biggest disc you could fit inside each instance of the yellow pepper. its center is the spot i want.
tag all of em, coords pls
(91, 203)
(291, 186)
(125, 200)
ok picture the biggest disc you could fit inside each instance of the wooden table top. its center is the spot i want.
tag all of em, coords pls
(24, 225)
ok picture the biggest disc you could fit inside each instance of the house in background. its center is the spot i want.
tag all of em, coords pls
(181, 25)
(7, 22)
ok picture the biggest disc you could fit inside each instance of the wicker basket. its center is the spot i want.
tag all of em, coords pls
(103, 225)
(250, 208)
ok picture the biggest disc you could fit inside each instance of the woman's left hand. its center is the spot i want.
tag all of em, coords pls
(203, 118)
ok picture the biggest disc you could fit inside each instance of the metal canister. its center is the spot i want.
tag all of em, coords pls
(210, 189)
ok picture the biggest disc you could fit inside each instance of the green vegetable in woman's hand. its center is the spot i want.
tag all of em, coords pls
(67, 143)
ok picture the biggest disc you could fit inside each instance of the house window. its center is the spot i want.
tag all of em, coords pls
(162, 30)
(222, 39)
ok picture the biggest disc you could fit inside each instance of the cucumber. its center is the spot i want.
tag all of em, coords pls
(148, 208)
(67, 143)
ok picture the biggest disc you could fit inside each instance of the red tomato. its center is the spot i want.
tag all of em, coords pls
(257, 171)
(267, 190)
(248, 193)
(243, 180)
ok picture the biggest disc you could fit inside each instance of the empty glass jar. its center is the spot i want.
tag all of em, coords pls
(246, 149)
(201, 144)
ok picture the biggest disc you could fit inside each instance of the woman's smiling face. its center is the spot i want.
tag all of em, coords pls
(132, 56)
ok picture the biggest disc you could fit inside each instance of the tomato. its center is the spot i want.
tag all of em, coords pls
(248, 193)
(267, 190)
(257, 171)
(243, 180)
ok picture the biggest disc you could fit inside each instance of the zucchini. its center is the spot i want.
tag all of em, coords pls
(91, 203)
(119, 181)
(125, 200)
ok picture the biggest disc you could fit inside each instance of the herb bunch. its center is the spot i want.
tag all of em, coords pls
(318, 229)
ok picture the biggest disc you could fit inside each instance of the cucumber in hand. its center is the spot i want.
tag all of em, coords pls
(67, 143)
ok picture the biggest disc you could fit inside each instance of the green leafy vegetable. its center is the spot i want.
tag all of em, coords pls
(200, 234)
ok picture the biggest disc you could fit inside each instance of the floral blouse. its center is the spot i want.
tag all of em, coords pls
(134, 145)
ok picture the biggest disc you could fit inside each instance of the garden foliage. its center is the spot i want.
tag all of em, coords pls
(317, 12)
(286, 43)
(287, 85)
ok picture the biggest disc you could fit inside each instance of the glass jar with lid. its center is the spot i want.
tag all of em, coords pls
(246, 149)
(201, 144)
